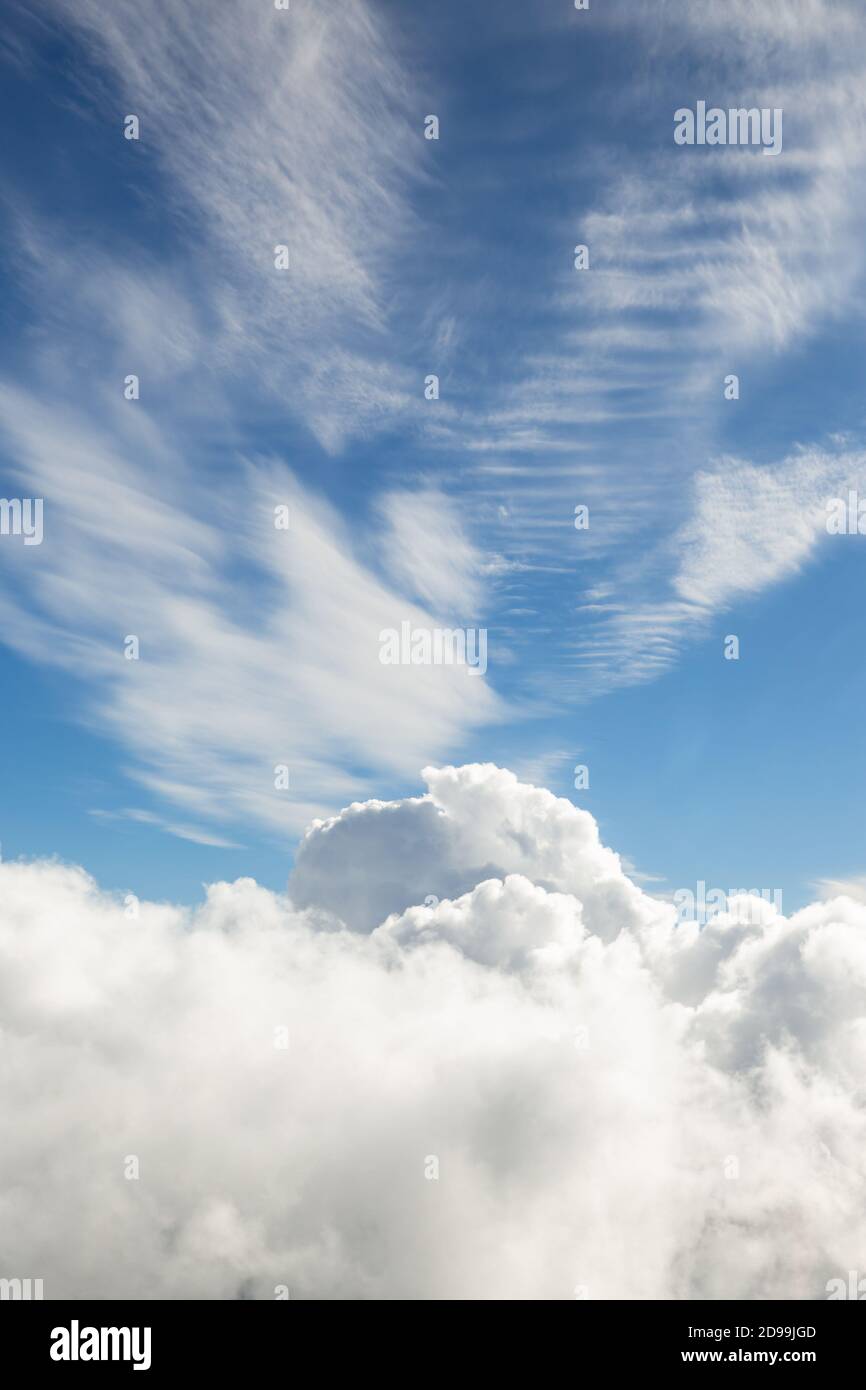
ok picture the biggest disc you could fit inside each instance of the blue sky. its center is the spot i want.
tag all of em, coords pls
(557, 388)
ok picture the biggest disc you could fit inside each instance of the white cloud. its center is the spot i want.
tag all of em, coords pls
(428, 553)
(843, 888)
(259, 647)
(194, 833)
(473, 823)
(749, 528)
(615, 1102)
(699, 267)
(257, 120)
(278, 129)
(752, 527)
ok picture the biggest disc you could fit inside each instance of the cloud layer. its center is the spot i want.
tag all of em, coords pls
(467, 983)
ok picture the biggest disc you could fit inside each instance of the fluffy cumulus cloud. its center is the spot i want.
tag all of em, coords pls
(464, 1057)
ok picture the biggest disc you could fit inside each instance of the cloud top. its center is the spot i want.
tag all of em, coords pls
(466, 1057)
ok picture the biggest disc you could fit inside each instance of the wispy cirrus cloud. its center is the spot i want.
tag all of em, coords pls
(194, 833)
(748, 529)
(304, 129)
(428, 552)
(278, 128)
(701, 263)
(853, 888)
(258, 646)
